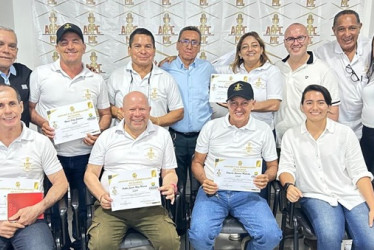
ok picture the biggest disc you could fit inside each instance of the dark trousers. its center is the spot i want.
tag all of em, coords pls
(184, 150)
(367, 146)
(74, 168)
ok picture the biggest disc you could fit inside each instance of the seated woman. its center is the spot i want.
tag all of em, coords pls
(322, 167)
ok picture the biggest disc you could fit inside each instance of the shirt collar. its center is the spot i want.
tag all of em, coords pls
(251, 125)
(181, 65)
(12, 70)
(120, 129)
(310, 60)
(263, 67)
(330, 127)
(56, 66)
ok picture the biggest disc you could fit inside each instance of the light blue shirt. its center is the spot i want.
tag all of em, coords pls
(12, 70)
(194, 84)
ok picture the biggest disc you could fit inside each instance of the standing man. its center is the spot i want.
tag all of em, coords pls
(193, 78)
(234, 137)
(20, 145)
(300, 69)
(349, 56)
(14, 74)
(142, 75)
(147, 146)
(64, 82)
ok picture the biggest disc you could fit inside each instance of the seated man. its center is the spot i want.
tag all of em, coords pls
(134, 144)
(20, 145)
(235, 136)
(321, 165)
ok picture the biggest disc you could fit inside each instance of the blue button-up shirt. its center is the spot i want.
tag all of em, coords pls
(12, 70)
(193, 85)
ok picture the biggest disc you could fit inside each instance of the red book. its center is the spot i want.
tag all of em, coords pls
(16, 201)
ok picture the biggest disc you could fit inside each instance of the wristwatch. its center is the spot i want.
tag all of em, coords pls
(287, 185)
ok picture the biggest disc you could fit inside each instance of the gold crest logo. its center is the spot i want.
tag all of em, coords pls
(134, 175)
(248, 148)
(150, 154)
(72, 108)
(27, 164)
(18, 184)
(67, 26)
(238, 87)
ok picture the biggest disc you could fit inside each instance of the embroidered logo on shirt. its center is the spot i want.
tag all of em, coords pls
(88, 95)
(27, 164)
(248, 148)
(154, 93)
(150, 154)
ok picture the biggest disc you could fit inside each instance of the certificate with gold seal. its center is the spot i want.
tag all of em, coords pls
(219, 83)
(15, 185)
(237, 174)
(134, 189)
(73, 121)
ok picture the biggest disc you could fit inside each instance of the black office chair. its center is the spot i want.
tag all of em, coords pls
(298, 222)
(58, 230)
(132, 238)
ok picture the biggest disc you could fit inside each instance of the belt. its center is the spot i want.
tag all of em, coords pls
(188, 134)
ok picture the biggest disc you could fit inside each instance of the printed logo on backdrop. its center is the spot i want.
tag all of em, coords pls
(107, 25)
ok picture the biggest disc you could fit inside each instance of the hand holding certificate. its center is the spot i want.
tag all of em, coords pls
(134, 189)
(73, 121)
(219, 83)
(237, 174)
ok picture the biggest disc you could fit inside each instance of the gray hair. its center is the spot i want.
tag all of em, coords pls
(10, 30)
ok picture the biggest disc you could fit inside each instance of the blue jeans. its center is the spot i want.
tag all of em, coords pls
(329, 224)
(36, 236)
(249, 208)
(74, 168)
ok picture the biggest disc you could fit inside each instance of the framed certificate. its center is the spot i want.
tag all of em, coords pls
(237, 174)
(219, 83)
(134, 189)
(73, 121)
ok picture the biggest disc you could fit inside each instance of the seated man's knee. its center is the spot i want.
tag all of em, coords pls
(268, 238)
(101, 239)
(201, 238)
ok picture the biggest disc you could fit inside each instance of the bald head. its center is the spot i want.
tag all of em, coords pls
(294, 26)
(135, 96)
(136, 112)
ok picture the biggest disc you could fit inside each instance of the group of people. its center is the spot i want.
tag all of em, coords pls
(309, 105)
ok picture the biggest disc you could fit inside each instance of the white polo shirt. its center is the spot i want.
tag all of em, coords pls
(350, 91)
(267, 83)
(29, 156)
(116, 151)
(368, 104)
(327, 168)
(51, 87)
(158, 85)
(314, 71)
(219, 139)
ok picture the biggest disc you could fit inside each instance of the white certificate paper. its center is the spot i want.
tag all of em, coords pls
(15, 185)
(73, 121)
(134, 189)
(237, 174)
(219, 83)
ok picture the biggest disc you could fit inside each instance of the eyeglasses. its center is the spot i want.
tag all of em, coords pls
(291, 40)
(354, 76)
(186, 42)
